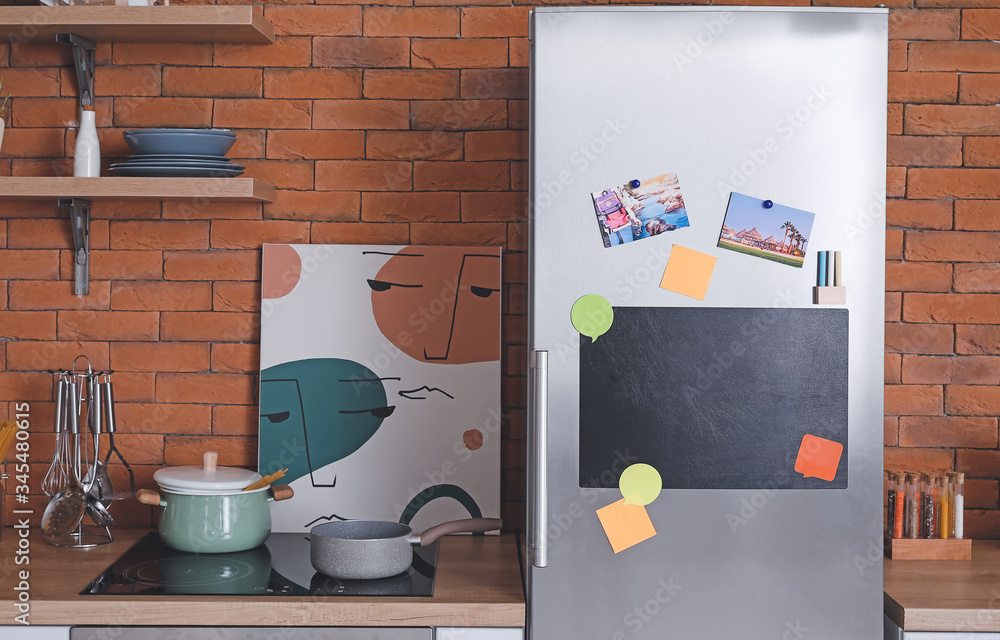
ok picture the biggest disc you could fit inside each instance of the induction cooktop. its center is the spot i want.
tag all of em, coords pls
(279, 567)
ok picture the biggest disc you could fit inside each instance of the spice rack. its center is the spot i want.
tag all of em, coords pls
(925, 516)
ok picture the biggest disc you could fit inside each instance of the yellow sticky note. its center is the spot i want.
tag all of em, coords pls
(625, 525)
(688, 272)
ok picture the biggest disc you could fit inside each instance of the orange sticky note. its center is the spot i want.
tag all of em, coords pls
(818, 457)
(688, 272)
(625, 524)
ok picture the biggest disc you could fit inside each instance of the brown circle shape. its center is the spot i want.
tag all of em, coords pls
(473, 439)
(282, 272)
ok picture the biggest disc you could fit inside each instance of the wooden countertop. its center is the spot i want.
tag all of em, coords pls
(946, 595)
(478, 584)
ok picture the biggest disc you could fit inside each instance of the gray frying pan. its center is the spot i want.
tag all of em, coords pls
(368, 550)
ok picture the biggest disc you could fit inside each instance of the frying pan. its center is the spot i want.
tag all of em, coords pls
(367, 550)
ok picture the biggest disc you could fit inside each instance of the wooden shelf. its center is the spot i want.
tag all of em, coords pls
(116, 188)
(184, 23)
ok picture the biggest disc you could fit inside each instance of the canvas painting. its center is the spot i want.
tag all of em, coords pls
(380, 382)
(640, 209)
(766, 229)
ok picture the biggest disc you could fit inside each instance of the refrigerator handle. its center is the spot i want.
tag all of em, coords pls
(539, 438)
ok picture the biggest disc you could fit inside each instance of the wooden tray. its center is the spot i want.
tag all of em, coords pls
(929, 549)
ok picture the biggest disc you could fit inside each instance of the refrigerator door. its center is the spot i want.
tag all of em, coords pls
(786, 104)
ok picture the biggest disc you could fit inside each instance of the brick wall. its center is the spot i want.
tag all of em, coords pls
(408, 124)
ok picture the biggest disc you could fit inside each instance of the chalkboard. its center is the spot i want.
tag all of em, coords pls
(713, 398)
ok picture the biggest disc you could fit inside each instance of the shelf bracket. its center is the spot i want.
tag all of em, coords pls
(83, 56)
(79, 216)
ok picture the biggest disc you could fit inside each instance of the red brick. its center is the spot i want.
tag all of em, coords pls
(948, 431)
(283, 174)
(919, 338)
(944, 119)
(361, 114)
(954, 183)
(28, 325)
(975, 370)
(159, 234)
(251, 234)
(981, 24)
(108, 325)
(917, 369)
(364, 175)
(977, 278)
(310, 20)
(249, 144)
(160, 417)
(34, 82)
(204, 388)
(126, 53)
(235, 420)
(979, 88)
(314, 205)
(36, 355)
(280, 114)
(361, 52)
(207, 326)
(923, 24)
(954, 56)
(287, 51)
(981, 494)
(519, 52)
(417, 206)
(490, 22)
(923, 87)
(453, 233)
(924, 151)
(972, 400)
(484, 84)
(890, 428)
(953, 246)
(235, 296)
(29, 264)
(414, 145)
(138, 80)
(977, 463)
(977, 215)
(963, 308)
(411, 84)
(202, 210)
(33, 143)
(34, 295)
(236, 358)
(479, 176)
(981, 525)
(894, 119)
(314, 145)
(163, 112)
(895, 182)
(893, 307)
(359, 233)
(188, 450)
(459, 53)
(55, 112)
(120, 265)
(161, 296)
(155, 357)
(494, 206)
(212, 82)
(496, 145)
(892, 368)
(913, 459)
(977, 339)
(211, 265)
(982, 152)
(893, 244)
(459, 115)
(411, 22)
(312, 83)
(25, 386)
(919, 214)
(913, 399)
(917, 276)
(897, 55)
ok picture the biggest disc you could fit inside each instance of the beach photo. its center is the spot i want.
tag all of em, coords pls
(640, 209)
(774, 232)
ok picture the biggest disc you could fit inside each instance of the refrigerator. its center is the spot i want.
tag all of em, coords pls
(716, 373)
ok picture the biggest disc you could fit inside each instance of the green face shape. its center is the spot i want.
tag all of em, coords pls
(315, 412)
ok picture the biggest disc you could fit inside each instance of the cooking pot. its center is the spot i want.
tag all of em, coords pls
(205, 509)
(368, 550)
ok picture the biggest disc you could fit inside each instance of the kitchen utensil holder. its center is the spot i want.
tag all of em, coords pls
(89, 384)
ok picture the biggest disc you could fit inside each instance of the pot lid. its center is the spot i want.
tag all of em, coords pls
(206, 479)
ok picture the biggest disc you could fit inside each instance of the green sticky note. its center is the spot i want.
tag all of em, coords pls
(592, 315)
(640, 484)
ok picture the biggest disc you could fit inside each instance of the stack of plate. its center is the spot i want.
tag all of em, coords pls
(196, 153)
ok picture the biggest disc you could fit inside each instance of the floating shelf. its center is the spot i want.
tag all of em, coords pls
(115, 188)
(185, 23)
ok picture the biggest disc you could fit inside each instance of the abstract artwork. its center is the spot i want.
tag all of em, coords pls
(380, 382)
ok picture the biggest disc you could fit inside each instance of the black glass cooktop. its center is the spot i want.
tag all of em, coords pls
(279, 567)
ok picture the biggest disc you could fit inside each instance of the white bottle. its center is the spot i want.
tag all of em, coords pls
(87, 159)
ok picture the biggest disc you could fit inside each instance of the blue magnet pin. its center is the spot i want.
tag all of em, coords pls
(634, 184)
(768, 204)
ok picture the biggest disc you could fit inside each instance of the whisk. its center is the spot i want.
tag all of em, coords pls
(57, 476)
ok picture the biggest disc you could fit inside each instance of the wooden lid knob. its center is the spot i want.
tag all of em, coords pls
(210, 460)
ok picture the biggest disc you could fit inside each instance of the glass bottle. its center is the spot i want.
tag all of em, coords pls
(87, 159)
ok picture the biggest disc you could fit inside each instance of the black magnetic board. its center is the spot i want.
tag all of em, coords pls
(713, 398)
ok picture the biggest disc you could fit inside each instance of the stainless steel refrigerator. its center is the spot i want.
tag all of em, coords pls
(780, 104)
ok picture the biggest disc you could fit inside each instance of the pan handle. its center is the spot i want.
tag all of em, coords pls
(469, 525)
